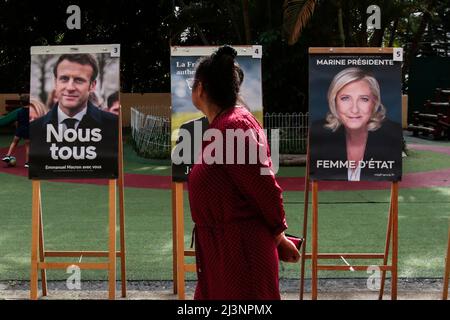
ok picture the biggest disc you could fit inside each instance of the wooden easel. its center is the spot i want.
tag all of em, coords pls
(391, 242)
(39, 255)
(447, 269)
(179, 252)
(392, 227)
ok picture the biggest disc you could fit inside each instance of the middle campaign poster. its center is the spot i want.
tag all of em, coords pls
(185, 115)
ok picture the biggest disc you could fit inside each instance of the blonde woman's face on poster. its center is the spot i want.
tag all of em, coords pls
(355, 104)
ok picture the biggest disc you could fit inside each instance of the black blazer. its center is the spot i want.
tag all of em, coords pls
(179, 171)
(383, 144)
(106, 149)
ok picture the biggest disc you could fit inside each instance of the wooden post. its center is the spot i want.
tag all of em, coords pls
(120, 181)
(391, 235)
(174, 239)
(112, 239)
(305, 224)
(35, 239)
(386, 248)
(447, 269)
(41, 248)
(38, 254)
(314, 241)
(179, 228)
(394, 261)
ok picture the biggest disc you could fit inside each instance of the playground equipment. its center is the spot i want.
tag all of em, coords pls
(9, 118)
(436, 120)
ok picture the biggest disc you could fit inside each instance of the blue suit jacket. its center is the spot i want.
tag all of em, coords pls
(106, 149)
(383, 144)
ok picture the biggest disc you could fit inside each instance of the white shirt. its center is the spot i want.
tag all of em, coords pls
(354, 174)
(62, 116)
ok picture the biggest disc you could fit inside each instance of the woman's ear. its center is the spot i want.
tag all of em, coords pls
(202, 94)
(201, 91)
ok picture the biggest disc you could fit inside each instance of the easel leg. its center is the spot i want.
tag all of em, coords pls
(112, 239)
(314, 242)
(41, 249)
(35, 240)
(386, 249)
(180, 239)
(447, 269)
(305, 228)
(123, 273)
(174, 240)
(394, 241)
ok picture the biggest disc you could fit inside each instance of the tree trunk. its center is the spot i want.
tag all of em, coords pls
(393, 32)
(363, 36)
(233, 21)
(201, 34)
(341, 24)
(378, 35)
(245, 12)
(377, 38)
(197, 28)
(420, 31)
(346, 24)
(269, 14)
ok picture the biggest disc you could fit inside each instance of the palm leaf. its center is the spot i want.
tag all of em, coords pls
(296, 15)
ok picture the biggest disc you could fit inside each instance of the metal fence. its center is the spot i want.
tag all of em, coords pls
(151, 133)
(293, 134)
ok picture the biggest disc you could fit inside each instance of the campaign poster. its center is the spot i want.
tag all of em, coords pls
(74, 108)
(185, 115)
(355, 114)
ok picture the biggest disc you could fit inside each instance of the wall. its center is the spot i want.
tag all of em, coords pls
(3, 98)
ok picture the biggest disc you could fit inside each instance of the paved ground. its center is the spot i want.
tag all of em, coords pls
(329, 289)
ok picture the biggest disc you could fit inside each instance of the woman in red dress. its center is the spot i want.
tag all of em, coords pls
(238, 212)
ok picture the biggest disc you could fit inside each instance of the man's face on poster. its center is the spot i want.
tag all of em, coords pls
(73, 85)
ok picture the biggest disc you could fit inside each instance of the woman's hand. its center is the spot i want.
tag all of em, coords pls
(287, 251)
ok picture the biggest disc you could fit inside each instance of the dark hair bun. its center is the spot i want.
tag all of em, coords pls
(220, 78)
(225, 50)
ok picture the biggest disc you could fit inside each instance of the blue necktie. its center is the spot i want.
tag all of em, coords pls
(70, 123)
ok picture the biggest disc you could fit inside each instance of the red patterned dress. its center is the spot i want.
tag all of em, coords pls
(237, 213)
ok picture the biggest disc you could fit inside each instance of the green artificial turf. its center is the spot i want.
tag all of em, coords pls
(356, 222)
(421, 161)
(136, 165)
(75, 218)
